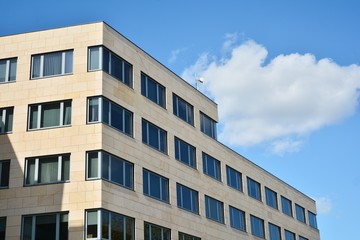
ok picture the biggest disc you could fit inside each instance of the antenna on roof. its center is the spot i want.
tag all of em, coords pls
(198, 80)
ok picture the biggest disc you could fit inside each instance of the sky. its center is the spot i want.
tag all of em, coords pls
(285, 76)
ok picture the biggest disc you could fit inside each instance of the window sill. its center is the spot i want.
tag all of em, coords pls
(58, 75)
(47, 128)
(42, 184)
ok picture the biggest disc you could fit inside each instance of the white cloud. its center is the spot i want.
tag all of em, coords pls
(323, 205)
(277, 103)
(174, 54)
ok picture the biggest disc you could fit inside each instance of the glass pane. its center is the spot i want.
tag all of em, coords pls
(92, 220)
(105, 224)
(162, 141)
(50, 115)
(30, 171)
(117, 227)
(2, 228)
(274, 232)
(5, 173)
(64, 227)
(106, 111)
(94, 109)
(128, 122)
(45, 228)
(130, 231)
(65, 171)
(146, 182)
(93, 165)
(48, 170)
(143, 84)
(12, 73)
(161, 96)
(67, 113)
(9, 120)
(33, 117)
(153, 136)
(69, 62)
(164, 190)
(155, 186)
(27, 228)
(36, 66)
(129, 175)
(94, 53)
(289, 235)
(105, 166)
(152, 90)
(117, 170)
(155, 233)
(127, 74)
(106, 60)
(3, 71)
(116, 67)
(117, 117)
(52, 64)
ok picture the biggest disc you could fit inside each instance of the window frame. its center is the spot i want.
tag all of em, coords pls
(39, 117)
(212, 125)
(216, 164)
(160, 90)
(163, 229)
(273, 227)
(191, 152)
(100, 212)
(241, 215)
(302, 238)
(253, 229)
(100, 168)
(37, 169)
(41, 67)
(7, 114)
(238, 175)
(161, 133)
(147, 189)
(7, 168)
(219, 215)
(257, 188)
(270, 201)
(184, 236)
(289, 203)
(128, 82)
(33, 223)
(101, 114)
(188, 108)
(288, 233)
(300, 213)
(8, 69)
(312, 220)
(194, 203)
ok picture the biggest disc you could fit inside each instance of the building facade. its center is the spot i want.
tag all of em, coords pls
(98, 140)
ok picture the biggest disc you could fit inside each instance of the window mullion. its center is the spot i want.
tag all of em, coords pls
(36, 171)
(63, 56)
(57, 226)
(61, 113)
(38, 117)
(101, 58)
(0, 171)
(109, 114)
(100, 109)
(109, 168)
(41, 74)
(110, 66)
(59, 168)
(33, 225)
(7, 71)
(99, 228)
(3, 119)
(99, 164)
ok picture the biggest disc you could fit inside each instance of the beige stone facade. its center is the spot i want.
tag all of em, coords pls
(79, 194)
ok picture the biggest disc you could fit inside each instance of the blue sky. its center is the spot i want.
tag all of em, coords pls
(285, 74)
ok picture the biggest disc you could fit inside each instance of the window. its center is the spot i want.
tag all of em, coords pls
(233, 178)
(184, 236)
(237, 219)
(3, 228)
(155, 186)
(6, 119)
(100, 109)
(300, 213)
(155, 232)
(312, 220)
(154, 136)
(103, 224)
(214, 209)
(286, 206)
(45, 226)
(8, 70)
(289, 235)
(274, 232)
(49, 115)
(302, 238)
(52, 64)
(187, 198)
(47, 169)
(4, 173)
(257, 227)
(152, 90)
(254, 190)
(101, 58)
(183, 109)
(207, 125)
(271, 198)
(109, 167)
(211, 167)
(185, 153)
